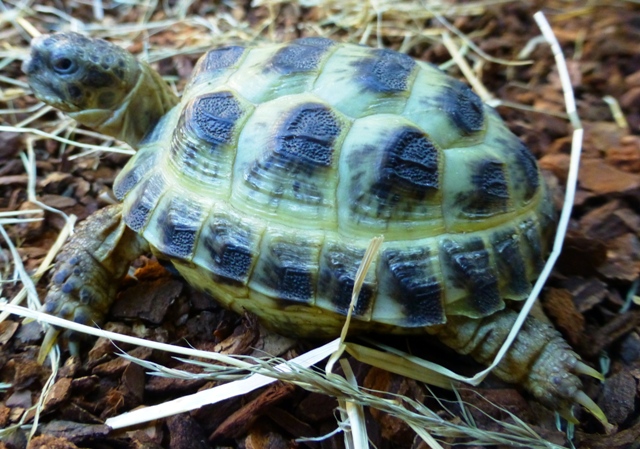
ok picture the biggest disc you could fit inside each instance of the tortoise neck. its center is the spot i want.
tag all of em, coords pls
(148, 101)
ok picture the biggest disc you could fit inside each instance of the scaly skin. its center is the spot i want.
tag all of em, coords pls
(90, 267)
(539, 359)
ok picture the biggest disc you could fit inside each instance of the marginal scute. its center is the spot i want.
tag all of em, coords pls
(287, 270)
(179, 224)
(532, 243)
(412, 284)
(133, 173)
(467, 265)
(145, 200)
(338, 268)
(229, 248)
(510, 264)
(301, 55)
(386, 71)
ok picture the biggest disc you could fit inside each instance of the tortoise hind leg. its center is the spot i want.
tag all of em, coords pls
(539, 359)
(89, 268)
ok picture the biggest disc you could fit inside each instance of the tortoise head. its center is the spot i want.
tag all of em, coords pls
(74, 73)
(99, 84)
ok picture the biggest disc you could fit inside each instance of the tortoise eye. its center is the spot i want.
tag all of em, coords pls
(64, 66)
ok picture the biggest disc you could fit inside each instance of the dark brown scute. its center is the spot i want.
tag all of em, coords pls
(386, 71)
(468, 264)
(149, 192)
(302, 55)
(490, 193)
(232, 247)
(338, 268)
(289, 270)
(413, 285)
(180, 222)
(464, 107)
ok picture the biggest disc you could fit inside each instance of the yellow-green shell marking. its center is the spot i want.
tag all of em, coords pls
(266, 183)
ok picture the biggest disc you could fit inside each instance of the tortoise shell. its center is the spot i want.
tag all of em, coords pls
(266, 183)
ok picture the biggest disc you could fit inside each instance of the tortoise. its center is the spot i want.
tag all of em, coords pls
(265, 182)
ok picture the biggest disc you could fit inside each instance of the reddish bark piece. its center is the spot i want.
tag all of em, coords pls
(59, 394)
(264, 438)
(391, 427)
(586, 293)
(316, 407)
(186, 433)
(104, 347)
(238, 423)
(558, 303)
(5, 413)
(623, 258)
(602, 178)
(625, 155)
(487, 405)
(618, 397)
(7, 329)
(27, 371)
(76, 433)
(50, 442)
(291, 423)
(119, 364)
(59, 201)
(147, 300)
(618, 326)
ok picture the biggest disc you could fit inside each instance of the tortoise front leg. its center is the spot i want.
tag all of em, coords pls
(89, 269)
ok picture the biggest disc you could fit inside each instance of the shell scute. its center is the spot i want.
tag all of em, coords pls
(463, 107)
(301, 55)
(203, 143)
(215, 63)
(213, 117)
(142, 200)
(287, 270)
(338, 268)
(385, 71)
(177, 225)
(510, 264)
(411, 277)
(134, 173)
(228, 247)
(362, 92)
(307, 137)
(470, 275)
(285, 167)
(394, 179)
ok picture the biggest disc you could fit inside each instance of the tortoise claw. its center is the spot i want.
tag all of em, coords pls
(588, 403)
(582, 368)
(49, 341)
